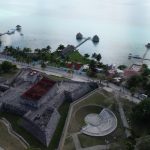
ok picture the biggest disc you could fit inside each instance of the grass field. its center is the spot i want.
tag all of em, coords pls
(34, 143)
(7, 141)
(56, 78)
(87, 106)
(77, 57)
(9, 75)
(77, 121)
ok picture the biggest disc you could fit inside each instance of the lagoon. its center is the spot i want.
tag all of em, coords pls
(123, 26)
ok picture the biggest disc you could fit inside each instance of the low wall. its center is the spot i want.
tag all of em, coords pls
(12, 109)
(44, 136)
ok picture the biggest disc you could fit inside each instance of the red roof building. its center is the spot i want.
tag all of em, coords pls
(39, 89)
(75, 66)
(130, 72)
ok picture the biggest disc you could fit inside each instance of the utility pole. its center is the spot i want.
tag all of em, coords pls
(147, 49)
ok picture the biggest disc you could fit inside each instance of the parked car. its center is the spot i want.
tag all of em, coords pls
(142, 96)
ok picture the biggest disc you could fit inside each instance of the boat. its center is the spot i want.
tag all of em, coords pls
(130, 56)
(137, 57)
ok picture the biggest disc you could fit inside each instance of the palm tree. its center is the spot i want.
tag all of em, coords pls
(101, 77)
(60, 47)
(94, 55)
(86, 55)
(98, 57)
(48, 48)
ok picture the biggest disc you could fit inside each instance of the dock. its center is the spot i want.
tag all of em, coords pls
(9, 32)
(86, 39)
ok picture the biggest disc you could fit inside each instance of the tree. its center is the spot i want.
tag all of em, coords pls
(43, 65)
(141, 112)
(27, 50)
(98, 57)
(60, 47)
(48, 48)
(143, 143)
(7, 67)
(145, 71)
(134, 81)
(122, 67)
(101, 77)
(86, 55)
(92, 68)
(94, 55)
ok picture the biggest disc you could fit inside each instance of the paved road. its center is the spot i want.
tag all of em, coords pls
(76, 141)
(123, 92)
(61, 72)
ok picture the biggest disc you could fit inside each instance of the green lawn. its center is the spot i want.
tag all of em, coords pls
(95, 99)
(7, 141)
(56, 78)
(34, 143)
(77, 57)
(77, 121)
(69, 145)
(88, 141)
(9, 75)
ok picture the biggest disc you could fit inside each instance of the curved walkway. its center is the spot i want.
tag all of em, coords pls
(1, 148)
(14, 134)
(64, 133)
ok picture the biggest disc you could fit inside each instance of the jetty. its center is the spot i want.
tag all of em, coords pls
(137, 57)
(86, 39)
(143, 58)
(11, 31)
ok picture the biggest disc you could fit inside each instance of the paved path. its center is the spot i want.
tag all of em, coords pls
(1, 148)
(123, 117)
(14, 134)
(76, 141)
(98, 147)
(78, 145)
(64, 133)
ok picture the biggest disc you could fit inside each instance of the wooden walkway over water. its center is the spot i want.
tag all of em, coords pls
(86, 39)
(12, 31)
(135, 57)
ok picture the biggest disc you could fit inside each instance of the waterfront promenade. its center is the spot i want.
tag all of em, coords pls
(61, 72)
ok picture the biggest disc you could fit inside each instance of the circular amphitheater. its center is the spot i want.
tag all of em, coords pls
(100, 124)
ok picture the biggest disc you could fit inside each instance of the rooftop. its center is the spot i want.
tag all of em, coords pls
(39, 89)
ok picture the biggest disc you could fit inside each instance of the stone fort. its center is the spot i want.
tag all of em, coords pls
(36, 98)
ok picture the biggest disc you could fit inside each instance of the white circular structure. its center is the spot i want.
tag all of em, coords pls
(100, 124)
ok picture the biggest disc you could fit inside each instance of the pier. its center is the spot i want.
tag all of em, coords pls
(8, 32)
(142, 59)
(1, 34)
(86, 39)
(137, 57)
(12, 31)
